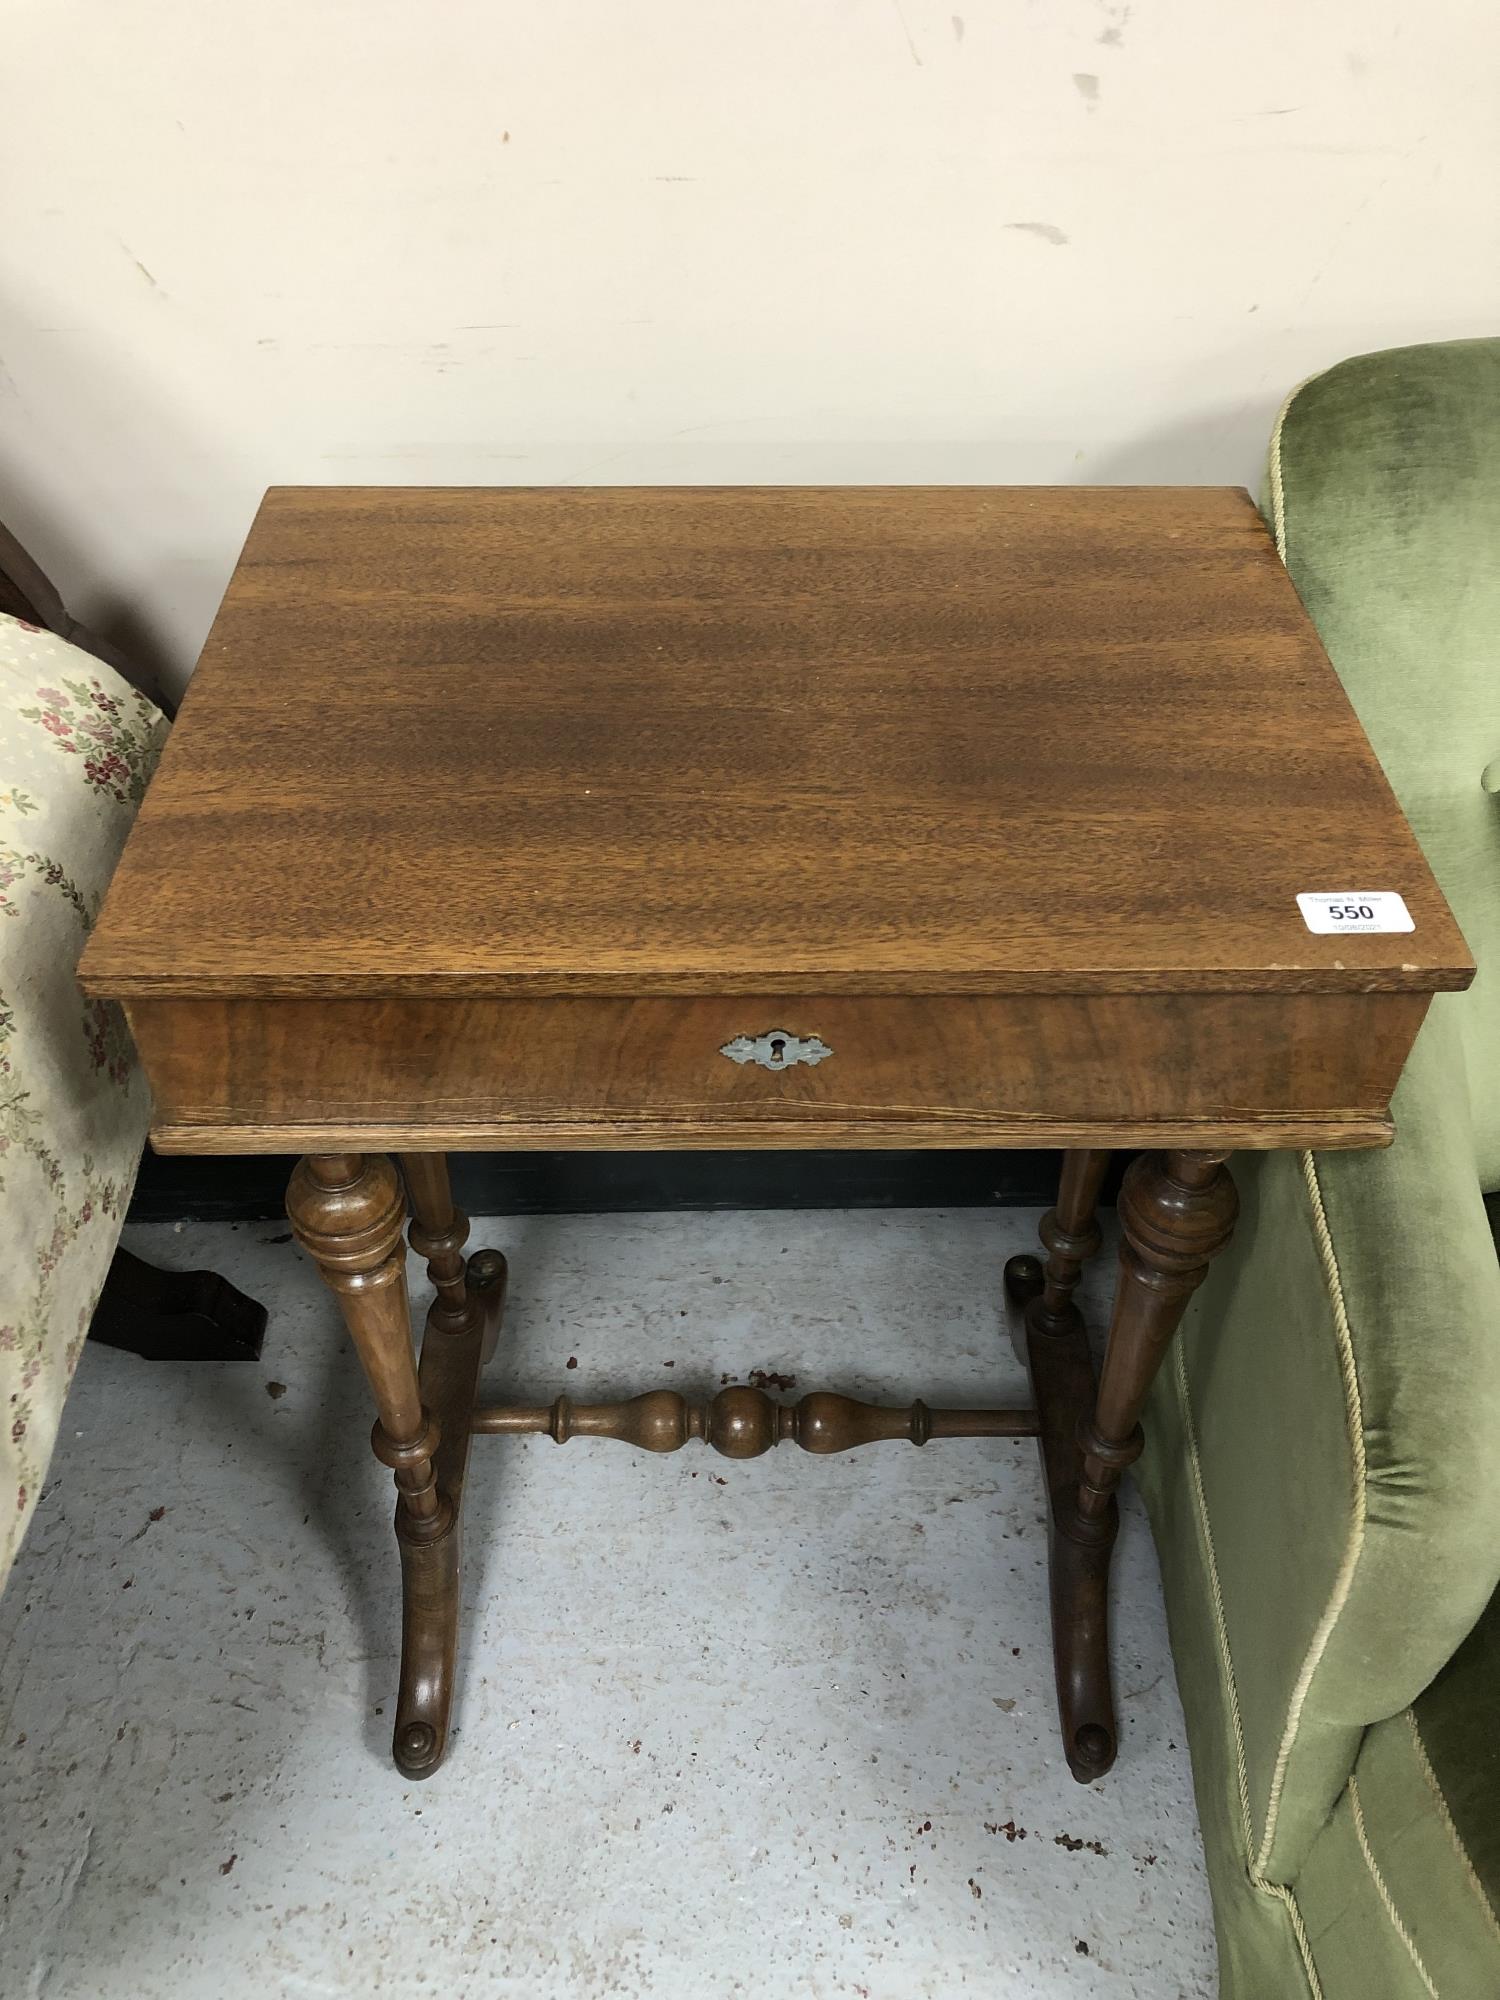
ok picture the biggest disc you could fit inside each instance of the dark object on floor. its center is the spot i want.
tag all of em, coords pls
(175, 1315)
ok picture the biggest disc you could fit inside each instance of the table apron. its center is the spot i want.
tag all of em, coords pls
(243, 1075)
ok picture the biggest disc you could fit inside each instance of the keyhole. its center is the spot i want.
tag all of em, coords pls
(778, 1048)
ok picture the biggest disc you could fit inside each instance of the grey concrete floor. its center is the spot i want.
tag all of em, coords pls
(780, 1728)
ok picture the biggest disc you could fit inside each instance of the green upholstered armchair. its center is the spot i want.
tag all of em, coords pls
(1323, 1457)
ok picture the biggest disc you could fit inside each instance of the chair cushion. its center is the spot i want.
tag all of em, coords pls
(1457, 1720)
(1401, 1891)
(77, 745)
(1385, 498)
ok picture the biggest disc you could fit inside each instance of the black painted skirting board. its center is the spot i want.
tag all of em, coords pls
(174, 1189)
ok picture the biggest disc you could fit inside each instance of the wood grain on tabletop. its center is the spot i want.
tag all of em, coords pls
(853, 740)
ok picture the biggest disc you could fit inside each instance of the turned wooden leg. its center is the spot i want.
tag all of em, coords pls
(347, 1211)
(439, 1231)
(1177, 1210)
(1070, 1235)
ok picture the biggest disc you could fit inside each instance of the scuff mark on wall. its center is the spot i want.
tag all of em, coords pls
(1113, 36)
(141, 268)
(901, 17)
(1087, 86)
(1048, 231)
(958, 27)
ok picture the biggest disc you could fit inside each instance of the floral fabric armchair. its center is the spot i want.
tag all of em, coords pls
(77, 746)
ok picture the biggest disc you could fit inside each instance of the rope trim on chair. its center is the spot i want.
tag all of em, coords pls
(1425, 1764)
(1258, 1881)
(1278, 491)
(1383, 1892)
(1353, 1548)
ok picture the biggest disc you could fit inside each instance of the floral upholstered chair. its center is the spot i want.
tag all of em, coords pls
(77, 744)
(80, 731)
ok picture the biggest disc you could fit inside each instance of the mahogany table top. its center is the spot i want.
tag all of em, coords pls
(752, 740)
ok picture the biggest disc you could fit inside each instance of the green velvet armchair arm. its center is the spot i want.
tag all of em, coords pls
(1336, 1394)
(1323, 1448)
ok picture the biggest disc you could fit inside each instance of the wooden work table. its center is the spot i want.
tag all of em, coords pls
(855, 817)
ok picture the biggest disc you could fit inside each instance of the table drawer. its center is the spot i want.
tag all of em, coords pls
(272, 1074)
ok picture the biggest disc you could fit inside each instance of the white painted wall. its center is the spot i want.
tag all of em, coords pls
(616, 240)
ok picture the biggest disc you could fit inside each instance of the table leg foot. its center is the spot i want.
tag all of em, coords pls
(1177, 1211)
(462, 1323)
(452, 1356)
(1063, 1382)
(1023, 1283)
(1080, 1656)
(429, 1647)
(1023, 1280)
(487, 1273)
